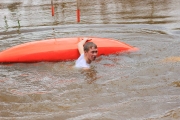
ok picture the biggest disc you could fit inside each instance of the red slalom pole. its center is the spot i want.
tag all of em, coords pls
(52, 7)
(78, 12)
(78, 15)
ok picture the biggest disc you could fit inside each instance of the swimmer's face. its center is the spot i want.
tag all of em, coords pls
(92, 53)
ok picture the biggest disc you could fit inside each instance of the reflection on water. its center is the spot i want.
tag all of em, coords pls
(90, 75)
(143, 85)
(27, 13)
(6, 25)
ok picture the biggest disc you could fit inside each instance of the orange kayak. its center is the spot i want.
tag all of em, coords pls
(60, 49)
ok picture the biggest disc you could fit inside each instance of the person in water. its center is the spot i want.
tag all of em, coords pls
(88, 53)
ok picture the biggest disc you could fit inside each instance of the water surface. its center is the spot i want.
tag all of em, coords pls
(144, 85)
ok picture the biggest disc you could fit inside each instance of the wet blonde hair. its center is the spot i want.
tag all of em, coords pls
(89, 45)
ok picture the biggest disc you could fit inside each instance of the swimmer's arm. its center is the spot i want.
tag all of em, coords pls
(80, 45)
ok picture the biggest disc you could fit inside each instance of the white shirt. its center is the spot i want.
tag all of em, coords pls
(81, 62)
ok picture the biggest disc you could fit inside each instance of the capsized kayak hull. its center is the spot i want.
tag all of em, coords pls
(60, 49)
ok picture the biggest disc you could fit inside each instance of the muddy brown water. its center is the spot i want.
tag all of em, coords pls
(143, 85)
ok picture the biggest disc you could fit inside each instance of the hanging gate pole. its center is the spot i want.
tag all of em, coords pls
(52, 7)
(78, 12)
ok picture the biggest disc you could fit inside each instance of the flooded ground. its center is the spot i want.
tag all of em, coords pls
(144, 85)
